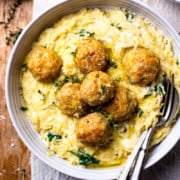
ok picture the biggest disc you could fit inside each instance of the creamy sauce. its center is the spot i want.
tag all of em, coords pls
(117, 32)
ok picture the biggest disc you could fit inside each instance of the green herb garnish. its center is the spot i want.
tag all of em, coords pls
(11, 14)
(24, 67)
(149, 93)
(60, 82)
(8, 40)
(75, 79)
(66, 79)
(113, 64)
(42, 94)
(116, 26)
(13, 36)
(129, 16)
(107, 116)
(102, 89)
(52, 136)
(54, 103)
(97, 75)
(23, 173)
(115, 126)
(85, 159)
(105, 113)
(23, 108)
(139, 112)
(159, 89)
(74, 53)
(83, 32)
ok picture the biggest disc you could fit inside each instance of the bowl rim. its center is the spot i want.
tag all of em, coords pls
(72, 171)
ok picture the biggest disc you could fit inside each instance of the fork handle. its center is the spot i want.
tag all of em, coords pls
(130, 162)
(140, 159)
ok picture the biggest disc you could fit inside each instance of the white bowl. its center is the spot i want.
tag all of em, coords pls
(29, 136)
(176, 1)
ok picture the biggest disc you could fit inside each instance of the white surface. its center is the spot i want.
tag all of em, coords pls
(41, 171)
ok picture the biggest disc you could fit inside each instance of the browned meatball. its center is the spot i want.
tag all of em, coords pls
(142, 66)
(122, 106)
(94, 129)
(90, 56)
(97, 88)
(44, 63)
(70, 102)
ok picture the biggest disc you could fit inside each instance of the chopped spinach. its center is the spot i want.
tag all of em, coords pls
(115, 126)
(139, 112)
(102, 90)
(64, 79)
(84, 32)
(97, 75)
(42, 94)
(149, 93)
(105, 113)
(129, 16)
(116, 25)
(113, 64)
(24, 67)
(60, 82)
(52, 136)
(74, 53)
(54, 103)
(159, 89)
(23, 108)
(75, 79)
(85, 158)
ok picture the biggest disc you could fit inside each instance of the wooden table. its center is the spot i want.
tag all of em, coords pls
(14, 156)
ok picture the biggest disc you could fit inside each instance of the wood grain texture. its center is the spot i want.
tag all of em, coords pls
(14, 156)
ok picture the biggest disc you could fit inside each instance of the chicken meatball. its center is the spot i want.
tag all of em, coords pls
(90, 56)
(70, 102)
(122, 106)
(93, 129)
(44, 63)
(142, 66)
(97, 88)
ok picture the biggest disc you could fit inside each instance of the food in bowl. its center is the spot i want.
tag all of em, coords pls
(90, 56)
(100, 48)
(44, 63)
(137, 58)
(97, 88)
(93, 129)
(70, 101)
(123, 105)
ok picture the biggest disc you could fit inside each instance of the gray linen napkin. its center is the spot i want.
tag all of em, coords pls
(165, 169)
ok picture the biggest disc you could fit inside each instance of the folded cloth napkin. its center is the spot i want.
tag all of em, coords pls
(168, 167)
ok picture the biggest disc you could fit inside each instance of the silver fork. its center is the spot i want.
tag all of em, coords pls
(169, 111)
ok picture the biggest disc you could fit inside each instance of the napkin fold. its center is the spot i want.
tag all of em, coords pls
(165, 169)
